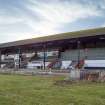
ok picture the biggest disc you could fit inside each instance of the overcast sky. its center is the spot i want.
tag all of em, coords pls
(22, 19)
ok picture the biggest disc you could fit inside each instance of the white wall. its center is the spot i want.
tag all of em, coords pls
(65, 64)
(94, 63)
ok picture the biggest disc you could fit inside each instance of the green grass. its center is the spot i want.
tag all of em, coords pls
(34, 90)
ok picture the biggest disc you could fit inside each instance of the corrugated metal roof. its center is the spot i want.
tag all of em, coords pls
(77, 34)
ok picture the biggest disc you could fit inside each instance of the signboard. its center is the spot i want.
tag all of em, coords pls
(48, 54)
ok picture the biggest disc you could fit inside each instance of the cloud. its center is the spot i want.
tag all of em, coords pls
(4, 20)
(103, 25)
(54, 15)
(44, 17)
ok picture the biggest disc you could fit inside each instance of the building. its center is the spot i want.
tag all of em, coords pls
(80, 49)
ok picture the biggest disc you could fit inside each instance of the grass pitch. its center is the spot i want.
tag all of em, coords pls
(37, 90)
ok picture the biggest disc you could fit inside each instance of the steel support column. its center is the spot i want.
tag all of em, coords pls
(0, 58)
(78, 47)
(44, 56)
(20, 57)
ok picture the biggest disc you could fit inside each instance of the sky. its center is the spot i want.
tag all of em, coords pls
(23, 19)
